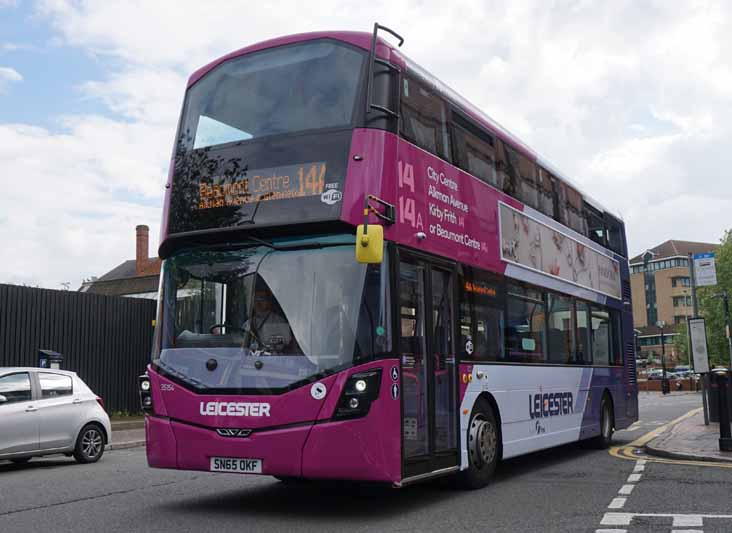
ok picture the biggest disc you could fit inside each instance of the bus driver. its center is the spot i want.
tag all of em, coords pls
(269, 330)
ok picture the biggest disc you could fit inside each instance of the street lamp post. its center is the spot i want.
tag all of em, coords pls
(665, 387)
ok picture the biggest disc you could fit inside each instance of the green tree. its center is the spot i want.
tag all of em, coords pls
(712, 309)
(681, 343)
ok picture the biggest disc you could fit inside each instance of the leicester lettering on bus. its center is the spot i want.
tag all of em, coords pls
(544, 405)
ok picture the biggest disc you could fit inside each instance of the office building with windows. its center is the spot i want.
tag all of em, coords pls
(661, 290)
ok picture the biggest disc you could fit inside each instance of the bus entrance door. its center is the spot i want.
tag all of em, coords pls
(429, 399)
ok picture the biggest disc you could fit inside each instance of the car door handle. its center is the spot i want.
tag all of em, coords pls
(77, 400)
(31, 409)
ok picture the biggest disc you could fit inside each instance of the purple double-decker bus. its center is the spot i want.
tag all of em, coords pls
(366, 278)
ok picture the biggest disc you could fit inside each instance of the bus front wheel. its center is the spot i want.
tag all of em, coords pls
(483, 441)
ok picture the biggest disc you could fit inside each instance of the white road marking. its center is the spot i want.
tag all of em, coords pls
(613, 531)
(639, 468)
(641, 462)
(634, 478)
(617, 503)
(625, 490)
(691, 520)
(679, 520)
(617, 519)
(687, 531)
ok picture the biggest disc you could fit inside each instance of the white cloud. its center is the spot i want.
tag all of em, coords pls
(632, 100)
(64, 214)
(8, 75)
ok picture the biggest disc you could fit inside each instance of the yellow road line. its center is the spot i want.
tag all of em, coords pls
(634, 450)
(641, 441)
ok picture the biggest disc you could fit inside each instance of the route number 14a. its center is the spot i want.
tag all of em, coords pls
(407, 211)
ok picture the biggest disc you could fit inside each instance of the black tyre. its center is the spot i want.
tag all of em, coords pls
(291, 480)
(21, 461)
(607, 425)
(483, 447)
(89, 444)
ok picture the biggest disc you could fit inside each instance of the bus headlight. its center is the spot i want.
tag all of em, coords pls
(360, 391)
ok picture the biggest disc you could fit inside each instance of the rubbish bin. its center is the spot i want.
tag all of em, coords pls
(714, 397)
(50, 359)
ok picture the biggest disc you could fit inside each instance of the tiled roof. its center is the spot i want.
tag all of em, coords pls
(123, 279)
(123, 271)
(673, 248)
(120, 287)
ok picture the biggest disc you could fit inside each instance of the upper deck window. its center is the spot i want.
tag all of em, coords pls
(546, 192)
(424, 118)
(282, 90)
(475, 151)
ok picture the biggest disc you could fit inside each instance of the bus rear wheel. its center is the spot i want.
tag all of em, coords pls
(605, 438)
(483, 441)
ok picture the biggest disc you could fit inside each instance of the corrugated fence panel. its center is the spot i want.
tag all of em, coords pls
(105, 339)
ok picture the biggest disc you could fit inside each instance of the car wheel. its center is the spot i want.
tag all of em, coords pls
(605, 438)
(89, 444)
(21, 461)
(483, 447)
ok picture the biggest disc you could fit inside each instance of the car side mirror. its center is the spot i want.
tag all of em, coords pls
(3, 399)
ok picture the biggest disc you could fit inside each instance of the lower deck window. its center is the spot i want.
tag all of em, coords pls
(526, 326)
(520, 323)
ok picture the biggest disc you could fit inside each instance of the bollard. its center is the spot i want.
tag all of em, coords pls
(725, 435)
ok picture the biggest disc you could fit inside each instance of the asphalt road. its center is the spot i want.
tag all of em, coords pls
(569, 488)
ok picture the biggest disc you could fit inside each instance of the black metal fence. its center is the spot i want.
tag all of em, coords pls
(104, 339)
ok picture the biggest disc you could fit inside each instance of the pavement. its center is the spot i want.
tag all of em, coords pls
(689, 439)
(127, 434)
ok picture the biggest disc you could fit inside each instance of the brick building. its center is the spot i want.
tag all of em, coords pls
(661, 290)
(135, 278)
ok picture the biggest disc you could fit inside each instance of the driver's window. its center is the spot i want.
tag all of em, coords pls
(200, 306)
(15, 388)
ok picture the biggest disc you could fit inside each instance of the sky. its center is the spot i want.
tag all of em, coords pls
(630, 99)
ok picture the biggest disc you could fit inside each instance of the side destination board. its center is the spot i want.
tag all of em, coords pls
(263, 183)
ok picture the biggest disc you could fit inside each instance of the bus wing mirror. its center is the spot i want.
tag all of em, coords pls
(3, 399)
(370, 244)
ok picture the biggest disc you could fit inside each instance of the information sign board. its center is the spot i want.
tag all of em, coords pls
(705, 269)
(698, 337)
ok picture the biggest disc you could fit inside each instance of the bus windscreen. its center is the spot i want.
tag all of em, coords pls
(265, 131)
(261, 318)
(282, 90)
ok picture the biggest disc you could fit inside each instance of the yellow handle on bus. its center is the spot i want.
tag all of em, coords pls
(370, 244)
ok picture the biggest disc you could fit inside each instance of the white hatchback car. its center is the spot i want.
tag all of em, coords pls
(44, 412)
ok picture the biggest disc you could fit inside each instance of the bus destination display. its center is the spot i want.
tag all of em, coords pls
(254, 186)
